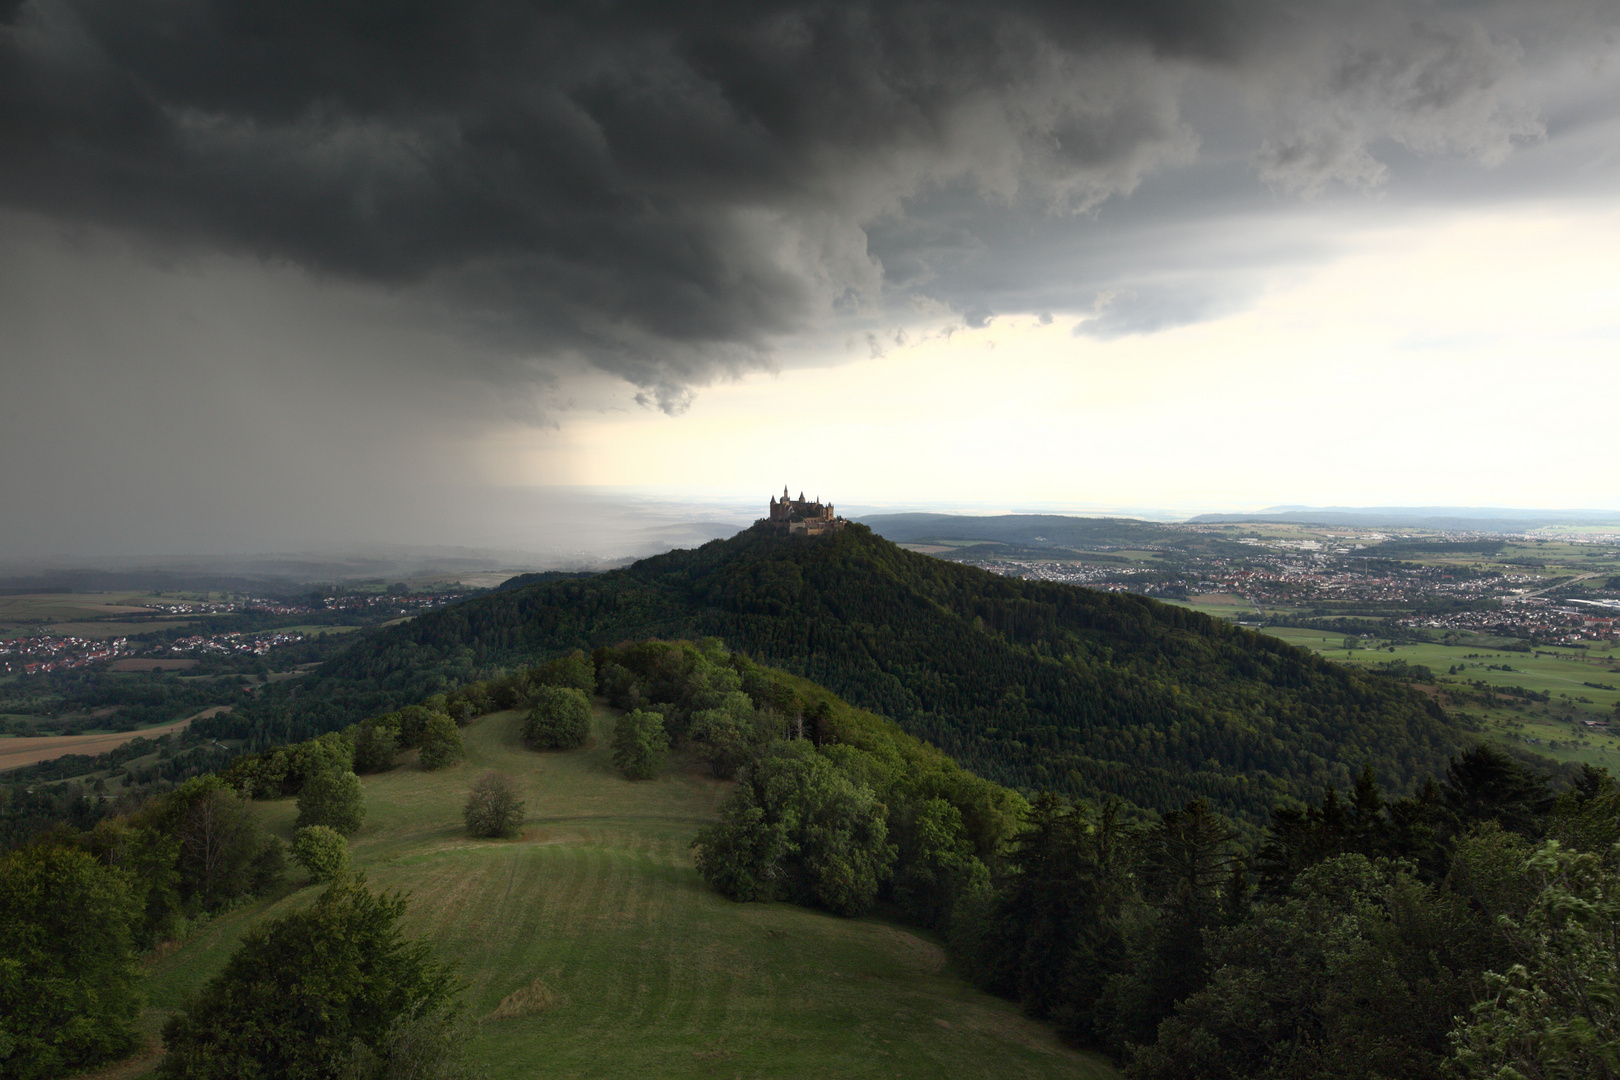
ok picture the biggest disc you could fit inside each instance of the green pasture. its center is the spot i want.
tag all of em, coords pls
(1220, 605)
(1562, 673)
(87, 615)
(650, 972)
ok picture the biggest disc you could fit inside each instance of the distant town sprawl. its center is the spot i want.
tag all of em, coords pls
(41, 652)
(1560, 589)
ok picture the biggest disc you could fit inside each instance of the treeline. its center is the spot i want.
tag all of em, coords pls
(1469, 930)
(31, 802)
(76, 906)
(1032, 684)
(95, 881)
(134, 698)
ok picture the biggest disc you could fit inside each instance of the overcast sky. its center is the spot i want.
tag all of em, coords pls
(282, 275)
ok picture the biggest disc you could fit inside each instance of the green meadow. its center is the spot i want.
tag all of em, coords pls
(1553, 728)
(591, 948)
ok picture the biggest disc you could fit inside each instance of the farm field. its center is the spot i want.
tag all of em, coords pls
(1220, 605)
(89, 614)
(28, 749)
(1553, 728)
(17, 751)
(95, 630)
(650, 972)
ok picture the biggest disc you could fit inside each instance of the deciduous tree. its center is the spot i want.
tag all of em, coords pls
(640, 744)
(67, 975)
(333, 799)
(441, 743)
(493, 808)
(302, 990)
(322, 851)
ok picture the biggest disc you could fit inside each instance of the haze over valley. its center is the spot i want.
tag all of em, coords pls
(798, 539)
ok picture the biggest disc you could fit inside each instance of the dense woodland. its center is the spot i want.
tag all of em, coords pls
(1468, 929)
(1035, 685)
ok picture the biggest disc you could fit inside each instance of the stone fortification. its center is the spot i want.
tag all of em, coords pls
(802, 516)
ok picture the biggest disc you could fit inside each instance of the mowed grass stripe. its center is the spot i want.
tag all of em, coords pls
(650, 972)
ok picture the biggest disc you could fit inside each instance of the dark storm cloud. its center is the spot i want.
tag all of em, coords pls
(666, 189)
(650, 184)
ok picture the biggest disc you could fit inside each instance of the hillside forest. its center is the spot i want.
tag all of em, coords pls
(1468, 928)
(1034, 685)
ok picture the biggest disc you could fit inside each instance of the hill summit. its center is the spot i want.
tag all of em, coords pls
(1033, 684)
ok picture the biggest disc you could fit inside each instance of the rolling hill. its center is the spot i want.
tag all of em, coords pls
(1031, 684)
(590, 947)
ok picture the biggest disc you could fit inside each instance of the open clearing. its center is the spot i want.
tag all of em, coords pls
(647, 971)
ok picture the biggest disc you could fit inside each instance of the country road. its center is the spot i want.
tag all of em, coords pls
(1561, 584)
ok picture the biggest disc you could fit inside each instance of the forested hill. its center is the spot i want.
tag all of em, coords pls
(1033, 684)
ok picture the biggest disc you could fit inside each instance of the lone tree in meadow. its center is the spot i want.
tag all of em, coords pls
(333, 799)
(560, 719)
(322, 851)
(640, 744)
(493, 808)
(441, 743)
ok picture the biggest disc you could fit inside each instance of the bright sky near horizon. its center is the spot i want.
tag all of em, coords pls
(270, 284)
(1368, 380)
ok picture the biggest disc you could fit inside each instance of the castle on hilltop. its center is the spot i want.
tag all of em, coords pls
(801, 516)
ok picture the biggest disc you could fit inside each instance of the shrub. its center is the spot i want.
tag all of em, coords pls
(560, 719)
(493, 808)
(301, 991)
(441, 743)
(333, 799)
(640, 744)
(322, 851)
(422, 1044)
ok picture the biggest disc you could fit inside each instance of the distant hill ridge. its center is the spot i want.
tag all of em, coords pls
(1029, 683)
(1449, 518)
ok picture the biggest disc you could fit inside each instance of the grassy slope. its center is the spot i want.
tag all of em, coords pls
(654, 974)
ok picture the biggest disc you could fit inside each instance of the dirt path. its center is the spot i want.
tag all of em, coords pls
(15, 753)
